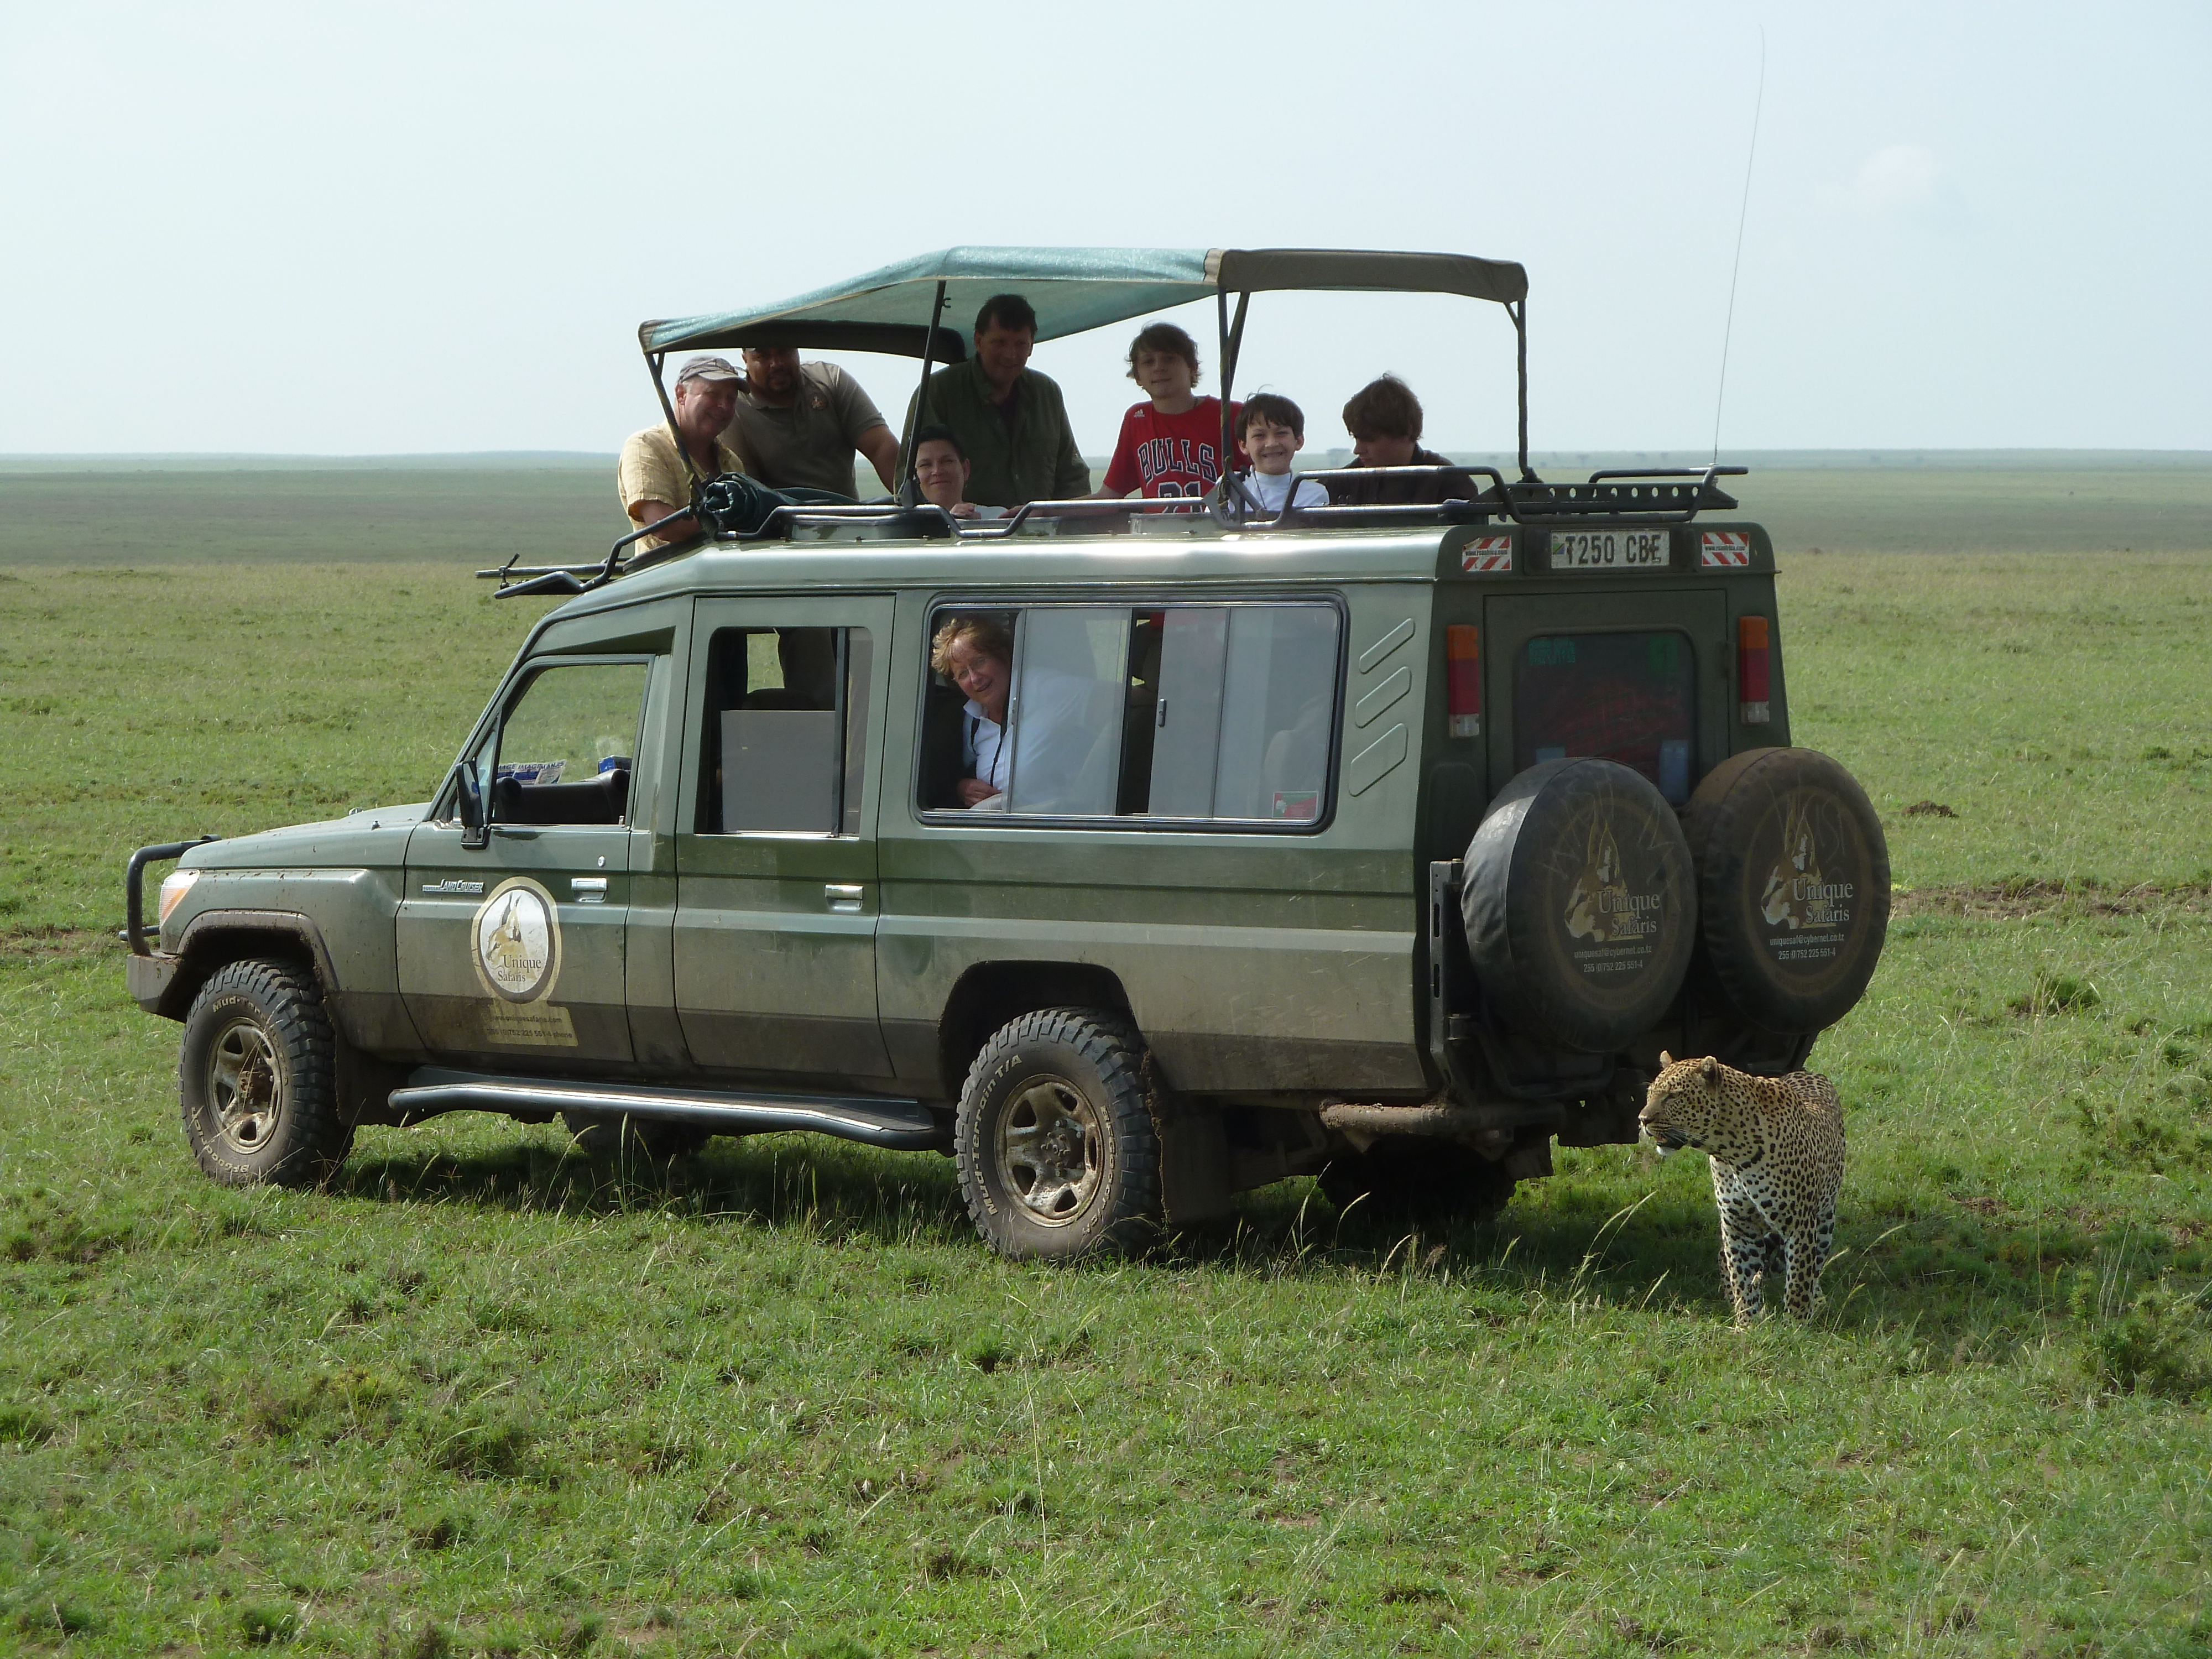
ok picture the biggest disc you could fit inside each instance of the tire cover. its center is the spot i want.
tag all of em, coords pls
(1580, 904)
(1793, 886)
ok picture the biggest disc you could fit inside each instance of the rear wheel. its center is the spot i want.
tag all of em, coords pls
(1793, 894)
(257, 1079)
(1054, 1140)
(1580, 905)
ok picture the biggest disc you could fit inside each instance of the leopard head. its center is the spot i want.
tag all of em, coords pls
(1690, 1104)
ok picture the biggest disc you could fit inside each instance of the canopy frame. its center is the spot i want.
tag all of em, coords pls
(1100, 285)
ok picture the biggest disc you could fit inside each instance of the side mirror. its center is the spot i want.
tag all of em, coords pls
(468, 798)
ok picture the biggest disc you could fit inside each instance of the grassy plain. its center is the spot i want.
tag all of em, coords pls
(149, 512)
(486, 1395)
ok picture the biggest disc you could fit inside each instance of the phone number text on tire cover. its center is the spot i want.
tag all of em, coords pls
(1610, 550)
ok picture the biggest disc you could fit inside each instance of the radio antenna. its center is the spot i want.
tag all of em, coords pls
(1743, 212)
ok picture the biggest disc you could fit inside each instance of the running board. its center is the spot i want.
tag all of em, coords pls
(901, 1125)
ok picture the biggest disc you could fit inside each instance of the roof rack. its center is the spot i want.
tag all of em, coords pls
(567, 580)
(1616, 495)
(1530, 500)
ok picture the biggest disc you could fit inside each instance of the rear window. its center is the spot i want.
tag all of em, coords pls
(1627, 697)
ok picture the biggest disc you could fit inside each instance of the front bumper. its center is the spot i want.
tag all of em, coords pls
(149, 979)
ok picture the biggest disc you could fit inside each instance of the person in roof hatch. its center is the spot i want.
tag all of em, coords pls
(1273, 429)
(941, 468)
(1384, 420)
(654, 479)
(1011, 420)
(801, 423)
(1171, 445)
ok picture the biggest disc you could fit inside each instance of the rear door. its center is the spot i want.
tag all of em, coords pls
(1640, 677)
(776, 896)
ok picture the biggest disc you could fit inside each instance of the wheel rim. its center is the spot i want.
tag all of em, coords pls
(243, 1086)
(1048, 1152)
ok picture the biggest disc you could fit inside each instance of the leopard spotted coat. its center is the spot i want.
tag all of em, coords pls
(1776, 1145)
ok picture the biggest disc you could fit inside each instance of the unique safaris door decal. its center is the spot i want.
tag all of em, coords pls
(515, 939)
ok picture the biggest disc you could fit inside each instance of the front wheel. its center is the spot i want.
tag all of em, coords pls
(1054, 1140)
(256, 1079)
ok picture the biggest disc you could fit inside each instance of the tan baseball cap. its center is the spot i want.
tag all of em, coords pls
(707, 369)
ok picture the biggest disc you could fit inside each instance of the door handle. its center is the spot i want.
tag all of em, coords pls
(843, 896)
(589, 890)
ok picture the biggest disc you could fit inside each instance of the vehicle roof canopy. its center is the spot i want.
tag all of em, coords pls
(1072, 289)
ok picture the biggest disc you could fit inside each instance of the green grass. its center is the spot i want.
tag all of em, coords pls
(149, 511)
(486, 1395)
(2058, 706)
(160, 519)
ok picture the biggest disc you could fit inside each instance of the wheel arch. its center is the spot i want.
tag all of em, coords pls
(215, 939)
(991, 994)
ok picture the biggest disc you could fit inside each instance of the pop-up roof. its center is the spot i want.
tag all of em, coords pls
(1073, 290)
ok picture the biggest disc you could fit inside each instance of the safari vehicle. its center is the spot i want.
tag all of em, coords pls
(1385, 844)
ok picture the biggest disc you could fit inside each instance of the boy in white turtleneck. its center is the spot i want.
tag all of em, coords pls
(1273, 429)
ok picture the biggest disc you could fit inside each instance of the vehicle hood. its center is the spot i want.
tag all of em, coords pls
(367, 836)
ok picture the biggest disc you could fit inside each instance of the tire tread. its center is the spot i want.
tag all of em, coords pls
(291, 1003)
(1111, 1046)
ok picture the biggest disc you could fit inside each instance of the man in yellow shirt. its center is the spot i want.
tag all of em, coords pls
(655, 480)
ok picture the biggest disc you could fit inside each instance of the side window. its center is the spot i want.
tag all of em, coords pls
(563, 753)
(1627, 697)
(1221, 713)
(783, 738)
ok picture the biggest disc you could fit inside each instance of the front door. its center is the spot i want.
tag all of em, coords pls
(514, 952)
(775, 845)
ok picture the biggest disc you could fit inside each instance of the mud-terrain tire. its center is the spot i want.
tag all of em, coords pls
(1416, 1181)
(1793, 886)
(257, 1079)
(638, 1137)
(1056, 1142)
(1580, 904)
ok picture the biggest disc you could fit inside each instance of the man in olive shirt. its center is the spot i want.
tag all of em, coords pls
(800, 424)
(655, 480)
(1011, 420)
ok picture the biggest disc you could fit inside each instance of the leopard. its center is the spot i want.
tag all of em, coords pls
(1776, 1148)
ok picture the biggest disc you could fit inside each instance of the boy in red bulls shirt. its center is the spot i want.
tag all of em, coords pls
(1170, 446)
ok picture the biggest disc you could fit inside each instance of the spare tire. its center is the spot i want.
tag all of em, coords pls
(1793, 886)
(1580, 904)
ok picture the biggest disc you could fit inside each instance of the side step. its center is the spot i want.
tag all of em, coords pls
(904, 1126)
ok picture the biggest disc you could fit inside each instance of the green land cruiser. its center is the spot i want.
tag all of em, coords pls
(1383, 844)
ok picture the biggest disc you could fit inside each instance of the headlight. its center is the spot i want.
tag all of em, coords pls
(178, 883)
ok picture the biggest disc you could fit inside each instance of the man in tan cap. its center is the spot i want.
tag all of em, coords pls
(654, 479)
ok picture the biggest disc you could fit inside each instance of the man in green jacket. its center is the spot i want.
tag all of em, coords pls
(1011, 420)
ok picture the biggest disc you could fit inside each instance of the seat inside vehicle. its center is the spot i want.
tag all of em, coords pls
(600, 799)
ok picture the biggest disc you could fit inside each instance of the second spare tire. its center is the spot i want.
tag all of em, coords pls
(1580, 905)
(1793, 886)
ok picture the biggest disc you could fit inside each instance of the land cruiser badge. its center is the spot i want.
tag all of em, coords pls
(517, 937)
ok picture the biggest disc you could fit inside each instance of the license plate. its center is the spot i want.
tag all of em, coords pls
(1610, 550)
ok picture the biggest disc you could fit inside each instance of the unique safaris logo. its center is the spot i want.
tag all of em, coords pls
(1797, 896)
(1599, 906)
(516, 938)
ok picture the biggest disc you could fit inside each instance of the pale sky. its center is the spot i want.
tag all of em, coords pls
(403, 228)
